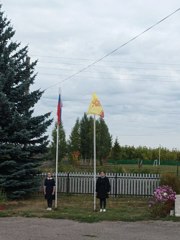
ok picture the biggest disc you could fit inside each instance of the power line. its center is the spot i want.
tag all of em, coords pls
(93, 71)
(88, 59)
(56, 57)
(117, 61)
(123, 76)
(116, 49)
(66, 67)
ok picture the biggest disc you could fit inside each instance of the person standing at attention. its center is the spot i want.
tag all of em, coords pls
(49, 190)
(103, 187)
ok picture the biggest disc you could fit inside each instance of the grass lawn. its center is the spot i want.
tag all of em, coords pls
(80, 208)
(125, 168)
(152, 169)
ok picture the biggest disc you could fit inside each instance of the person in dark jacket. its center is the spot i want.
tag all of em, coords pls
(49, 190)
(103, 187)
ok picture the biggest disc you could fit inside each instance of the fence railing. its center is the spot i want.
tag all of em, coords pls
(121, 183)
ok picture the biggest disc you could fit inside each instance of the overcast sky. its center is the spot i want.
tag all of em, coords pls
(138, 85)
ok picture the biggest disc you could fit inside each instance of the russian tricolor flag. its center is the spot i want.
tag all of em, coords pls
(59, 110)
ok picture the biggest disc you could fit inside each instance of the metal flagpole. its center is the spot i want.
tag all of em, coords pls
(57, 152)
(95, 108)
(94, 163)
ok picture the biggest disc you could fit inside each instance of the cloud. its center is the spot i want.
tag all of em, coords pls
(138, 85)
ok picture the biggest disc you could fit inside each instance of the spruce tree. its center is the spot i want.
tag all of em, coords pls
(62, 145)
(103, 141)
(23, 137)
(115, 154)
(86, 135)
(74, 143)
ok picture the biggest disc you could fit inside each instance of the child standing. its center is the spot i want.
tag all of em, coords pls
(103, 187)
(49, 190)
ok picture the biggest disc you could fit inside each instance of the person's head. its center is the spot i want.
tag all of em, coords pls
(49, 175)
(102, 174)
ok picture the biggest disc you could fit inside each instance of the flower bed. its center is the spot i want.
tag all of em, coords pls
(162, 201)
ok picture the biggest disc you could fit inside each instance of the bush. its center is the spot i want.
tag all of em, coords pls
(140, 170)
(162, 201)
(2, 196)
(172, 181)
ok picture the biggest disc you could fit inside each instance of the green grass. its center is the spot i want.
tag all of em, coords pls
(125, 168)
(150, 169)
(80, 208)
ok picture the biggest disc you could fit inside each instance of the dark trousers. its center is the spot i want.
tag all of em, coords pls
(49, 202)
(102, 202)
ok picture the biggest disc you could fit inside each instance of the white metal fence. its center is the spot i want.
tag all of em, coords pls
(121, 183)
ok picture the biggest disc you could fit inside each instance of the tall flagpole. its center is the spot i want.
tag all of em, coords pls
(57, 153)
(57, 149)
(95, 108)
(94, 163)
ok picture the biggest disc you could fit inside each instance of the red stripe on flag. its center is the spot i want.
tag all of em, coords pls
(59, 111)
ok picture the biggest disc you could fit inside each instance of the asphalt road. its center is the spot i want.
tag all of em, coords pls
(18, 228)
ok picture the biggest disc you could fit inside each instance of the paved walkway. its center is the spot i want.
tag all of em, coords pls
(18, 228)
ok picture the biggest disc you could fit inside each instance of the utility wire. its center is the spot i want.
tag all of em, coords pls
(123, 75)
(90, 59)
(117, 61)
(115, 64)
(115, 50)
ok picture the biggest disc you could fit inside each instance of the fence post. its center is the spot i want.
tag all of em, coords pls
(67, 183)
(115, 186)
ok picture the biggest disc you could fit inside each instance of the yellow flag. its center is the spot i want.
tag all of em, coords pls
(95, 106)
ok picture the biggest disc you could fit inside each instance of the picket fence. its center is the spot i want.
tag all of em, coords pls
(121, 183)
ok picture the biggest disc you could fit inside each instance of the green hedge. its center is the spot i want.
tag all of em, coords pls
(144, 162)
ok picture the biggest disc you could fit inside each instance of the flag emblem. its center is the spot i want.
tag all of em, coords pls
(95, 106)
(59, 110)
